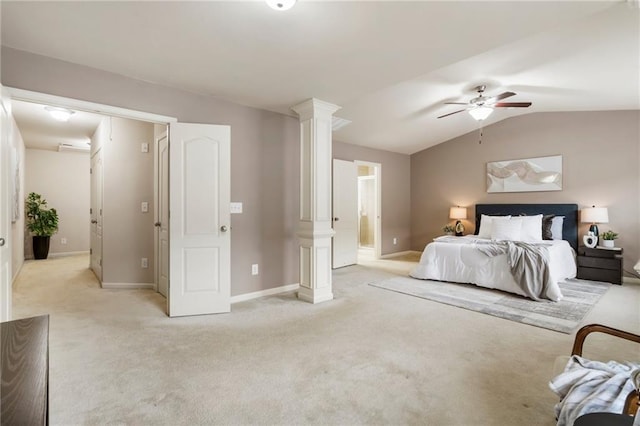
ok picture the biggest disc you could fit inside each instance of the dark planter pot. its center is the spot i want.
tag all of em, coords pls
(41, 246)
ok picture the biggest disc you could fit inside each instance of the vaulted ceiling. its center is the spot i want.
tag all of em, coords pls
(390, 65)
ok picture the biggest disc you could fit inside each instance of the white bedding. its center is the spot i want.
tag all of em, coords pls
(456, 259)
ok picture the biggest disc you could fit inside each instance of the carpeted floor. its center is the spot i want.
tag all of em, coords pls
(580, 297)
(367, 357)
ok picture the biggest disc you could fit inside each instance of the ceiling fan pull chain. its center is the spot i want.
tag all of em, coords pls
(480, 141)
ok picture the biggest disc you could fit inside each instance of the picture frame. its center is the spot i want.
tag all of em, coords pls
(525, 175)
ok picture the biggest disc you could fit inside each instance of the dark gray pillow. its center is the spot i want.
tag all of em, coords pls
(547, 221)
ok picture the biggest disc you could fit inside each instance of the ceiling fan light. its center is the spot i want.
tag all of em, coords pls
(281, 4)
(59, 114)
(480, 113)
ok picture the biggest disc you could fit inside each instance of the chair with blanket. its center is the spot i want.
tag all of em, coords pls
(587, 386)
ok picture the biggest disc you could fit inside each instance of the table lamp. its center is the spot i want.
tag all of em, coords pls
(594, 215)
(458, 213)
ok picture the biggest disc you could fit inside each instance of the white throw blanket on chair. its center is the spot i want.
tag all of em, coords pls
(591, 386)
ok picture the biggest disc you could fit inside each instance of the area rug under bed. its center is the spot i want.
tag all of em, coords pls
(564, 316)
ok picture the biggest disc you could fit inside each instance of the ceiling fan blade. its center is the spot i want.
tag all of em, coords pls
(451, 113)
(499, 97)
(512, 104)
(456, 103)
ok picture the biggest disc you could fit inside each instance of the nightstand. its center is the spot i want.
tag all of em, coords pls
(600, 264)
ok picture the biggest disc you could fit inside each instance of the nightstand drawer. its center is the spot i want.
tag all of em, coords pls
(600, 262)
(595, 274)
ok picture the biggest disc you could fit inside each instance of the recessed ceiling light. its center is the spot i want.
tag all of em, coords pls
(59, 114)
(281, 4)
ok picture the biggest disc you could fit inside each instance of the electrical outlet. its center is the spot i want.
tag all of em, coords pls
(144, 147)
(254, 269)
(144, 263)
(395, 241)
(63, 240)
(144, 207)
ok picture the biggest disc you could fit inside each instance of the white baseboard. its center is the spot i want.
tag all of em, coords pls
(630, 280)
(61, 254)
(128, 285)
(399, 253)
(263, 293)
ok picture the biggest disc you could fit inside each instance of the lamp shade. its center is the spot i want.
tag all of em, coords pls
(595, 215)
(458, 213)
(480, 113)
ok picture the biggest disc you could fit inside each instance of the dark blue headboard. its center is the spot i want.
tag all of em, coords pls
(569, 211)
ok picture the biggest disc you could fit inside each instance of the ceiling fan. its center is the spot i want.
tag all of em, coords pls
(481, 107)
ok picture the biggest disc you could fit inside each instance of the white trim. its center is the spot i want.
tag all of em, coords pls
(129, 286)
(60, 101)
(60, 254)
(398, 253)
(263, 293)
(631, 280)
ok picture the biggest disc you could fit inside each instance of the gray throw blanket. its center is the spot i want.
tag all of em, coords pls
(529, 265)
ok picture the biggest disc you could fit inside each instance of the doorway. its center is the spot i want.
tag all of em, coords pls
(369, 210)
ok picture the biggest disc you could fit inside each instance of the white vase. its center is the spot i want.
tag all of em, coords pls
(607, 243)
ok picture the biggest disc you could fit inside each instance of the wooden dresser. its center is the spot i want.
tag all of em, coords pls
(24, 371)
(600, 264)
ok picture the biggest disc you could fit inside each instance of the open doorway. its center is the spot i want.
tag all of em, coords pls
(369, 210)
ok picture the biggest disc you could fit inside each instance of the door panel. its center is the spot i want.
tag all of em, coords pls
(97, 176)
(162, 223)
(199, 222)
(5, 212)
(345, 213)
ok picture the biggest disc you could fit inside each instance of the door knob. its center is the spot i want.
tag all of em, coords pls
(94, 221)
(157, 224)
(335, 219)
(1, 242)
(223, 228)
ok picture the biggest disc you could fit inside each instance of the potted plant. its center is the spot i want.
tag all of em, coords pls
(42, 221)
(449, 230)
(608, 238)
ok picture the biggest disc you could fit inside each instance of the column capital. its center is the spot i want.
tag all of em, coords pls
(314, 108)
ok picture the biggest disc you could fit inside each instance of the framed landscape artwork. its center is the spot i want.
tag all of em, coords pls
(529, 174)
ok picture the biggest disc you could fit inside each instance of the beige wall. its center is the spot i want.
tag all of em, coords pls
(128, 233)
(396, 205)
(265, 156)
(17, 227)
(600, 152)
(62, 178)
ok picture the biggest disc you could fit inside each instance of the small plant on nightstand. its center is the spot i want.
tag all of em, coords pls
(608, 238)
(449, 229)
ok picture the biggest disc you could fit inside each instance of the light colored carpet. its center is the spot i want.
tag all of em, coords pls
(564, 316)
(367, 357)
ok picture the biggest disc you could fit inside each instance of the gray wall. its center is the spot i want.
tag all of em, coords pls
(600, 153)
(128, 234)
(396, 181)
(265, 164)
(62, 178)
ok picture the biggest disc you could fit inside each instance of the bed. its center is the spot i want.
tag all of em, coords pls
(489, 262)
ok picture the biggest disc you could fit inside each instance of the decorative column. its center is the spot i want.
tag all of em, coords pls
(314, 229)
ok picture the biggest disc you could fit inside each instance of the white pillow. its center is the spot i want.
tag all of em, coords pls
(531, 228)
(485, 225)
(506, 228)
(556, 227)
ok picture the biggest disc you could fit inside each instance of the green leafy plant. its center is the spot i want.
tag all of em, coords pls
(449, 229)
(42, 221)
(609, 235)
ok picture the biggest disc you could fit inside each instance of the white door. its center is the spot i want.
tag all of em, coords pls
(345, 213)
(97, 175)
(162, 214)
(5, 212)
(199, 222)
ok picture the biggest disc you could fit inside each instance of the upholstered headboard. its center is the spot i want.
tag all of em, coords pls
(569, 211)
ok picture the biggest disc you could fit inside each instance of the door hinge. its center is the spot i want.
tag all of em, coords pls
(90, 251)
(90, 211)
(100, 212)
(90, 171)
(100, 262)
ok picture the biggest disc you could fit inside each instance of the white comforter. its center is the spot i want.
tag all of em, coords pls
(456, 259)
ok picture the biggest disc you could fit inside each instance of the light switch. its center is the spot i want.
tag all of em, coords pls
(236, 208)
(144, 207)
(144, 147)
